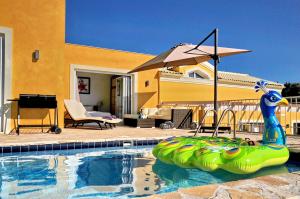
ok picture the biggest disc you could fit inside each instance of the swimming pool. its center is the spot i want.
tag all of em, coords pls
(103, 173)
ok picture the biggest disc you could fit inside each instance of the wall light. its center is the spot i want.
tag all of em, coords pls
(147, 83)
(35, 55)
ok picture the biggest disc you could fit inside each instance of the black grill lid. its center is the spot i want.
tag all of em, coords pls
(37, 101)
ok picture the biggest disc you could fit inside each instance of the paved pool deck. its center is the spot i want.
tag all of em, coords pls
(31, 137)
(28, 137)
(266, 187)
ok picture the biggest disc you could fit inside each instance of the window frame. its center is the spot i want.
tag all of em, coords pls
(195, 75)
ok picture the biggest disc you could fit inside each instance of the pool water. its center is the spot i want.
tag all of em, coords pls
(103, 173)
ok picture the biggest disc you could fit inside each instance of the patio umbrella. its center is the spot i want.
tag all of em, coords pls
(188, 54)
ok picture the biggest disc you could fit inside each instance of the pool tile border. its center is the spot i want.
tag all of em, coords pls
(77, 145)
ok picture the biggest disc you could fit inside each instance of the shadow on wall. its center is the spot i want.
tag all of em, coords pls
(27, 116)
(6, 112)
(144, 99)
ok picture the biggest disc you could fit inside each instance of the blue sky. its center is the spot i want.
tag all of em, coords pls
(271, 28)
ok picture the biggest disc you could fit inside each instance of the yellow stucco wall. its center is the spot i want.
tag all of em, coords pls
(202, 67)
(36, 25)
(180, 91)
(288, 118)
(115, 59)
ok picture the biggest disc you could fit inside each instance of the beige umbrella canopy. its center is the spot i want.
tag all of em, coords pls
(186, 54)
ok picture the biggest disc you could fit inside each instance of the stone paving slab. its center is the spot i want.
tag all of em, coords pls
(265, 187)
(87, 135)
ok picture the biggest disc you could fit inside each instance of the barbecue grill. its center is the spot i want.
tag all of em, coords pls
(36, 101)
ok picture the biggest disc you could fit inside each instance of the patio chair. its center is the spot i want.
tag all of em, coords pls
(80, 116)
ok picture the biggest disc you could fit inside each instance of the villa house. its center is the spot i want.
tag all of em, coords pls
(37, 27)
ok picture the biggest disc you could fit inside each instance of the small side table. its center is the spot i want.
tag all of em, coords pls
(134, 121)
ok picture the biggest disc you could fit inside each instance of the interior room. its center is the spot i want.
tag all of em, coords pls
(106, 93)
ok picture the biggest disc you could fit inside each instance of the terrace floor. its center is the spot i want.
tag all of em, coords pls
(88, 134)
(276, 186)
(28, 136)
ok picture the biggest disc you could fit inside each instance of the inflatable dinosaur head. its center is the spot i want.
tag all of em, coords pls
(273, 132)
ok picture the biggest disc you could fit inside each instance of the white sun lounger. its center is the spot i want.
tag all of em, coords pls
(80, 116)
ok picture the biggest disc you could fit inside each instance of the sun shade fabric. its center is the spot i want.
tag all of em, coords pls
(186, 54)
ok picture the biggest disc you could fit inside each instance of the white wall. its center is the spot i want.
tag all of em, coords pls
(8, 78)
(100, 90)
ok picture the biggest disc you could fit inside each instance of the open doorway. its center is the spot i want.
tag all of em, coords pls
(105, 92)
(121, 98)
(296, 128)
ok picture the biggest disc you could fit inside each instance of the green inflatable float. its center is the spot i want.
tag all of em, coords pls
(233, 155)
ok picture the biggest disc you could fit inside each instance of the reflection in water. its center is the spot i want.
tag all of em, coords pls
(78, 173)
(102, 173)
(93, 167)
(116, 175)
(18, 172)
(176, 177)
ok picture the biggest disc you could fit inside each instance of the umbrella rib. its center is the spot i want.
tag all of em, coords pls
(189, 51)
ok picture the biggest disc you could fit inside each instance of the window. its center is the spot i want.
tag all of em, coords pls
(255, 127)
(296, 128)
(195, 75)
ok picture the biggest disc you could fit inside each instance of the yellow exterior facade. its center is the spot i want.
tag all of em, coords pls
(112, 61)
(40, 25)
(35, 25)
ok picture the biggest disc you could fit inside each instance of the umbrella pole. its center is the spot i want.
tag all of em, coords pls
(215, 57)
(216, 60)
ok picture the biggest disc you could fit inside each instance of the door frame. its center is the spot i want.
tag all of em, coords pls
(7, 78)
(104, 70)
(2, 78)
(121, 96)
(292, 127)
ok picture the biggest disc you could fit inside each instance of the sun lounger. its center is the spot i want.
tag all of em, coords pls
(80, 116)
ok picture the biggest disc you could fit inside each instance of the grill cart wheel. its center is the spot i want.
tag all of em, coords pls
(58, 130)
(55, 129)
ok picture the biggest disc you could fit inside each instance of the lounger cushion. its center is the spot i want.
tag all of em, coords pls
(162, 117)
(158, 113)
(131, 116)
(152, 111)
(76, 109)
(145, 111)
(99, 114)
(165, 111)
(79, 113)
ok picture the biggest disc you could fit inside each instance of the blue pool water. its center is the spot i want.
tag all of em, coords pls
(103, 173)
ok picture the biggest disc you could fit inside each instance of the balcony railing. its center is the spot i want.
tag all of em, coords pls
(248, 114)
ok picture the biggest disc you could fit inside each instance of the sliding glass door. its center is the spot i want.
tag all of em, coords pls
(123, 96)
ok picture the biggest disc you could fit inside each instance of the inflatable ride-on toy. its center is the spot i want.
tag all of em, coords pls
(233, 155)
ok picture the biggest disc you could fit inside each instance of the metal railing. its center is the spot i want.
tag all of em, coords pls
(220, 120)
(203, 118)
(248, 114)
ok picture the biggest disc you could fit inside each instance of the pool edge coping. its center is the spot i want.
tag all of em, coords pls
(77, 144)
